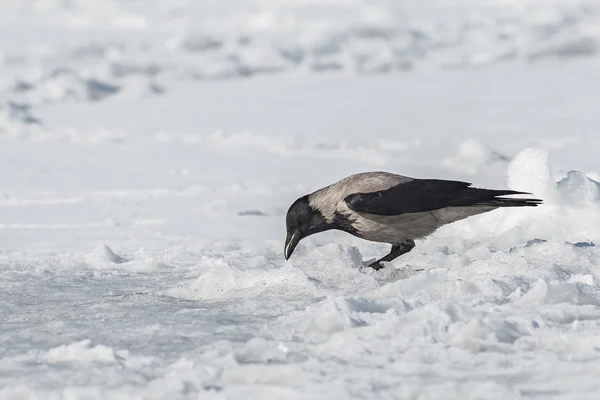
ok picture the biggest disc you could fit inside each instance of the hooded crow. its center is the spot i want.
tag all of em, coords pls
(389, 208)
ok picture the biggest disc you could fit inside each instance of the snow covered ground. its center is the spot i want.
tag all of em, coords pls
(150, 150)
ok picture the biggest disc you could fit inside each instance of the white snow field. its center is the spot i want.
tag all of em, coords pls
(150, 149)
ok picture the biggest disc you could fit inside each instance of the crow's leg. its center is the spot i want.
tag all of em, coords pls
(397, 251)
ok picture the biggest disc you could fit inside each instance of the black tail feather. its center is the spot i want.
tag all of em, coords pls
(497, 201)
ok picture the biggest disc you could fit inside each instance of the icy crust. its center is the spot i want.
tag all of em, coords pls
(501, 323)
(504, 305)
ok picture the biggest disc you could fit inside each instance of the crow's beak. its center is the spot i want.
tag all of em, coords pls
(291, 241)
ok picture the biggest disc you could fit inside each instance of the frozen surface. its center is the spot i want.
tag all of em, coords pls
(150, 150)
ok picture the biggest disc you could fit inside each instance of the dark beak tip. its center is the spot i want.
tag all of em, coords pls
(290, 244)
(287, 253)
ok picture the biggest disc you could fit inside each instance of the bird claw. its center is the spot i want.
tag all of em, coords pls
(375, 265)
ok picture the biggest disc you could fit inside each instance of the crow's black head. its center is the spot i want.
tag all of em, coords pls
(302, 221)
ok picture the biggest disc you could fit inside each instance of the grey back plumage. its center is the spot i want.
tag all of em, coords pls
(330, 199)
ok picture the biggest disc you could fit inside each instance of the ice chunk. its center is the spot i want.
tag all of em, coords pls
(103, 253)
(576, 188)
(530, 172)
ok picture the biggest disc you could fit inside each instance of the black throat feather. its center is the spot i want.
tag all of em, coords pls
(343, 223)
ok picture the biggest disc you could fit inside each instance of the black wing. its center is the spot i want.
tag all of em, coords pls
(420, 195)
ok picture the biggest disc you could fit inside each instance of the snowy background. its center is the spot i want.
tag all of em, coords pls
(150, 149)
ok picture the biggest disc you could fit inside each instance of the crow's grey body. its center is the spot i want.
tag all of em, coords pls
(393, 229)
(389, 208)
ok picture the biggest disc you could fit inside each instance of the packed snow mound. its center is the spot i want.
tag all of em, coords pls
(104, 253)
(530, 172)
(577, 188)
(82, 351)
(223, 281)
